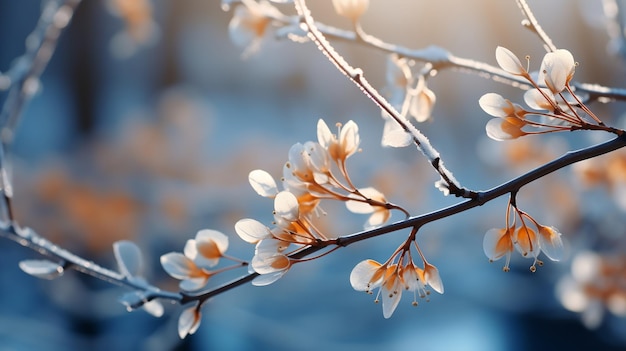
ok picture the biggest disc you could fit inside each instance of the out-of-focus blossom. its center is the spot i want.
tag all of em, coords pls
(422, 101)
(189, 321)
(597, 283)
(141, 30)
(352, 9)
(130, 262)
(607, 171)
(251, 21)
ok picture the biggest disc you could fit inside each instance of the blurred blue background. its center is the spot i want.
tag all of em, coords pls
(155, 143)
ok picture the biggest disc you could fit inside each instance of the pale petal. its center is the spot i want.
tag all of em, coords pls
(508, 61)
(551, 243)
(431, 274)
(391, 295)
(557, 69)
(286, 206)
(318, 157)
(352, 9)
(359, 207)
(188, 322)
(571, 294)
(394, 135)
(193, 284)
(155, 308)
(495, 105)
(537, 101)
(362, 273)
(423, 103)
(267, 279)
(251, 230)
(42, 268)
(496, 243)
(190, 250)
(263, 183)
(269, 247)
(128, 257)
(362, 207)
(379, 217)
(177, 265)
(398, 72)
(211, 245)
(349, 138)
(502, 129)
(324, 135)
(270, 264)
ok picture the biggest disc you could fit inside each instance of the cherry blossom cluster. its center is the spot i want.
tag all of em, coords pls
(553, 104)
(597, 283)
(396, 274)
(521, 237)
(315, 171)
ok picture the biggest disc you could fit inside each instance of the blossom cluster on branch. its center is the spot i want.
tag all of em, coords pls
(316, 172)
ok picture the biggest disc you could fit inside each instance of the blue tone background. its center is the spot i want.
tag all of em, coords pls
(154, 147)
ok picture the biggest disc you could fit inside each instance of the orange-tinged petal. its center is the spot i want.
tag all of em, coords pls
(497, 243)
(551, 243)
(526, 241)
(189, 321)
(431, 274)
(366, 275)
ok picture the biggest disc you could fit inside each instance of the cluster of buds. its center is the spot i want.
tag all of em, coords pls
(529, 242)
(553, 104)
(315, 171)
(398, 273)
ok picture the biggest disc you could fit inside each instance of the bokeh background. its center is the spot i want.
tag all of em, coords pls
(151, 141)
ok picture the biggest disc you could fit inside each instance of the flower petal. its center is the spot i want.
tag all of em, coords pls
(177, 265)
(362, 274)
(503, 129)
(393, 134)
(189, 321)
(551, 243)
(496, 243)
(495, 105)
(391, 294)
(508, 61)
(251, 230)
(557, 69)
(42, 268)
(263, 183)
(431, 274)
(349, 138)
(267, 279)
(128, 257)
(211, 245)
(324, 135)
(286, 206)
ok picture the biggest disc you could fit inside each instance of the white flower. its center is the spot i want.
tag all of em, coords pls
(352, 9)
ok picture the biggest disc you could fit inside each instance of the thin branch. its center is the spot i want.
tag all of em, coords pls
(532, 24)
(510, 187)
(356, 75)
(441, 59)
(30, 239)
